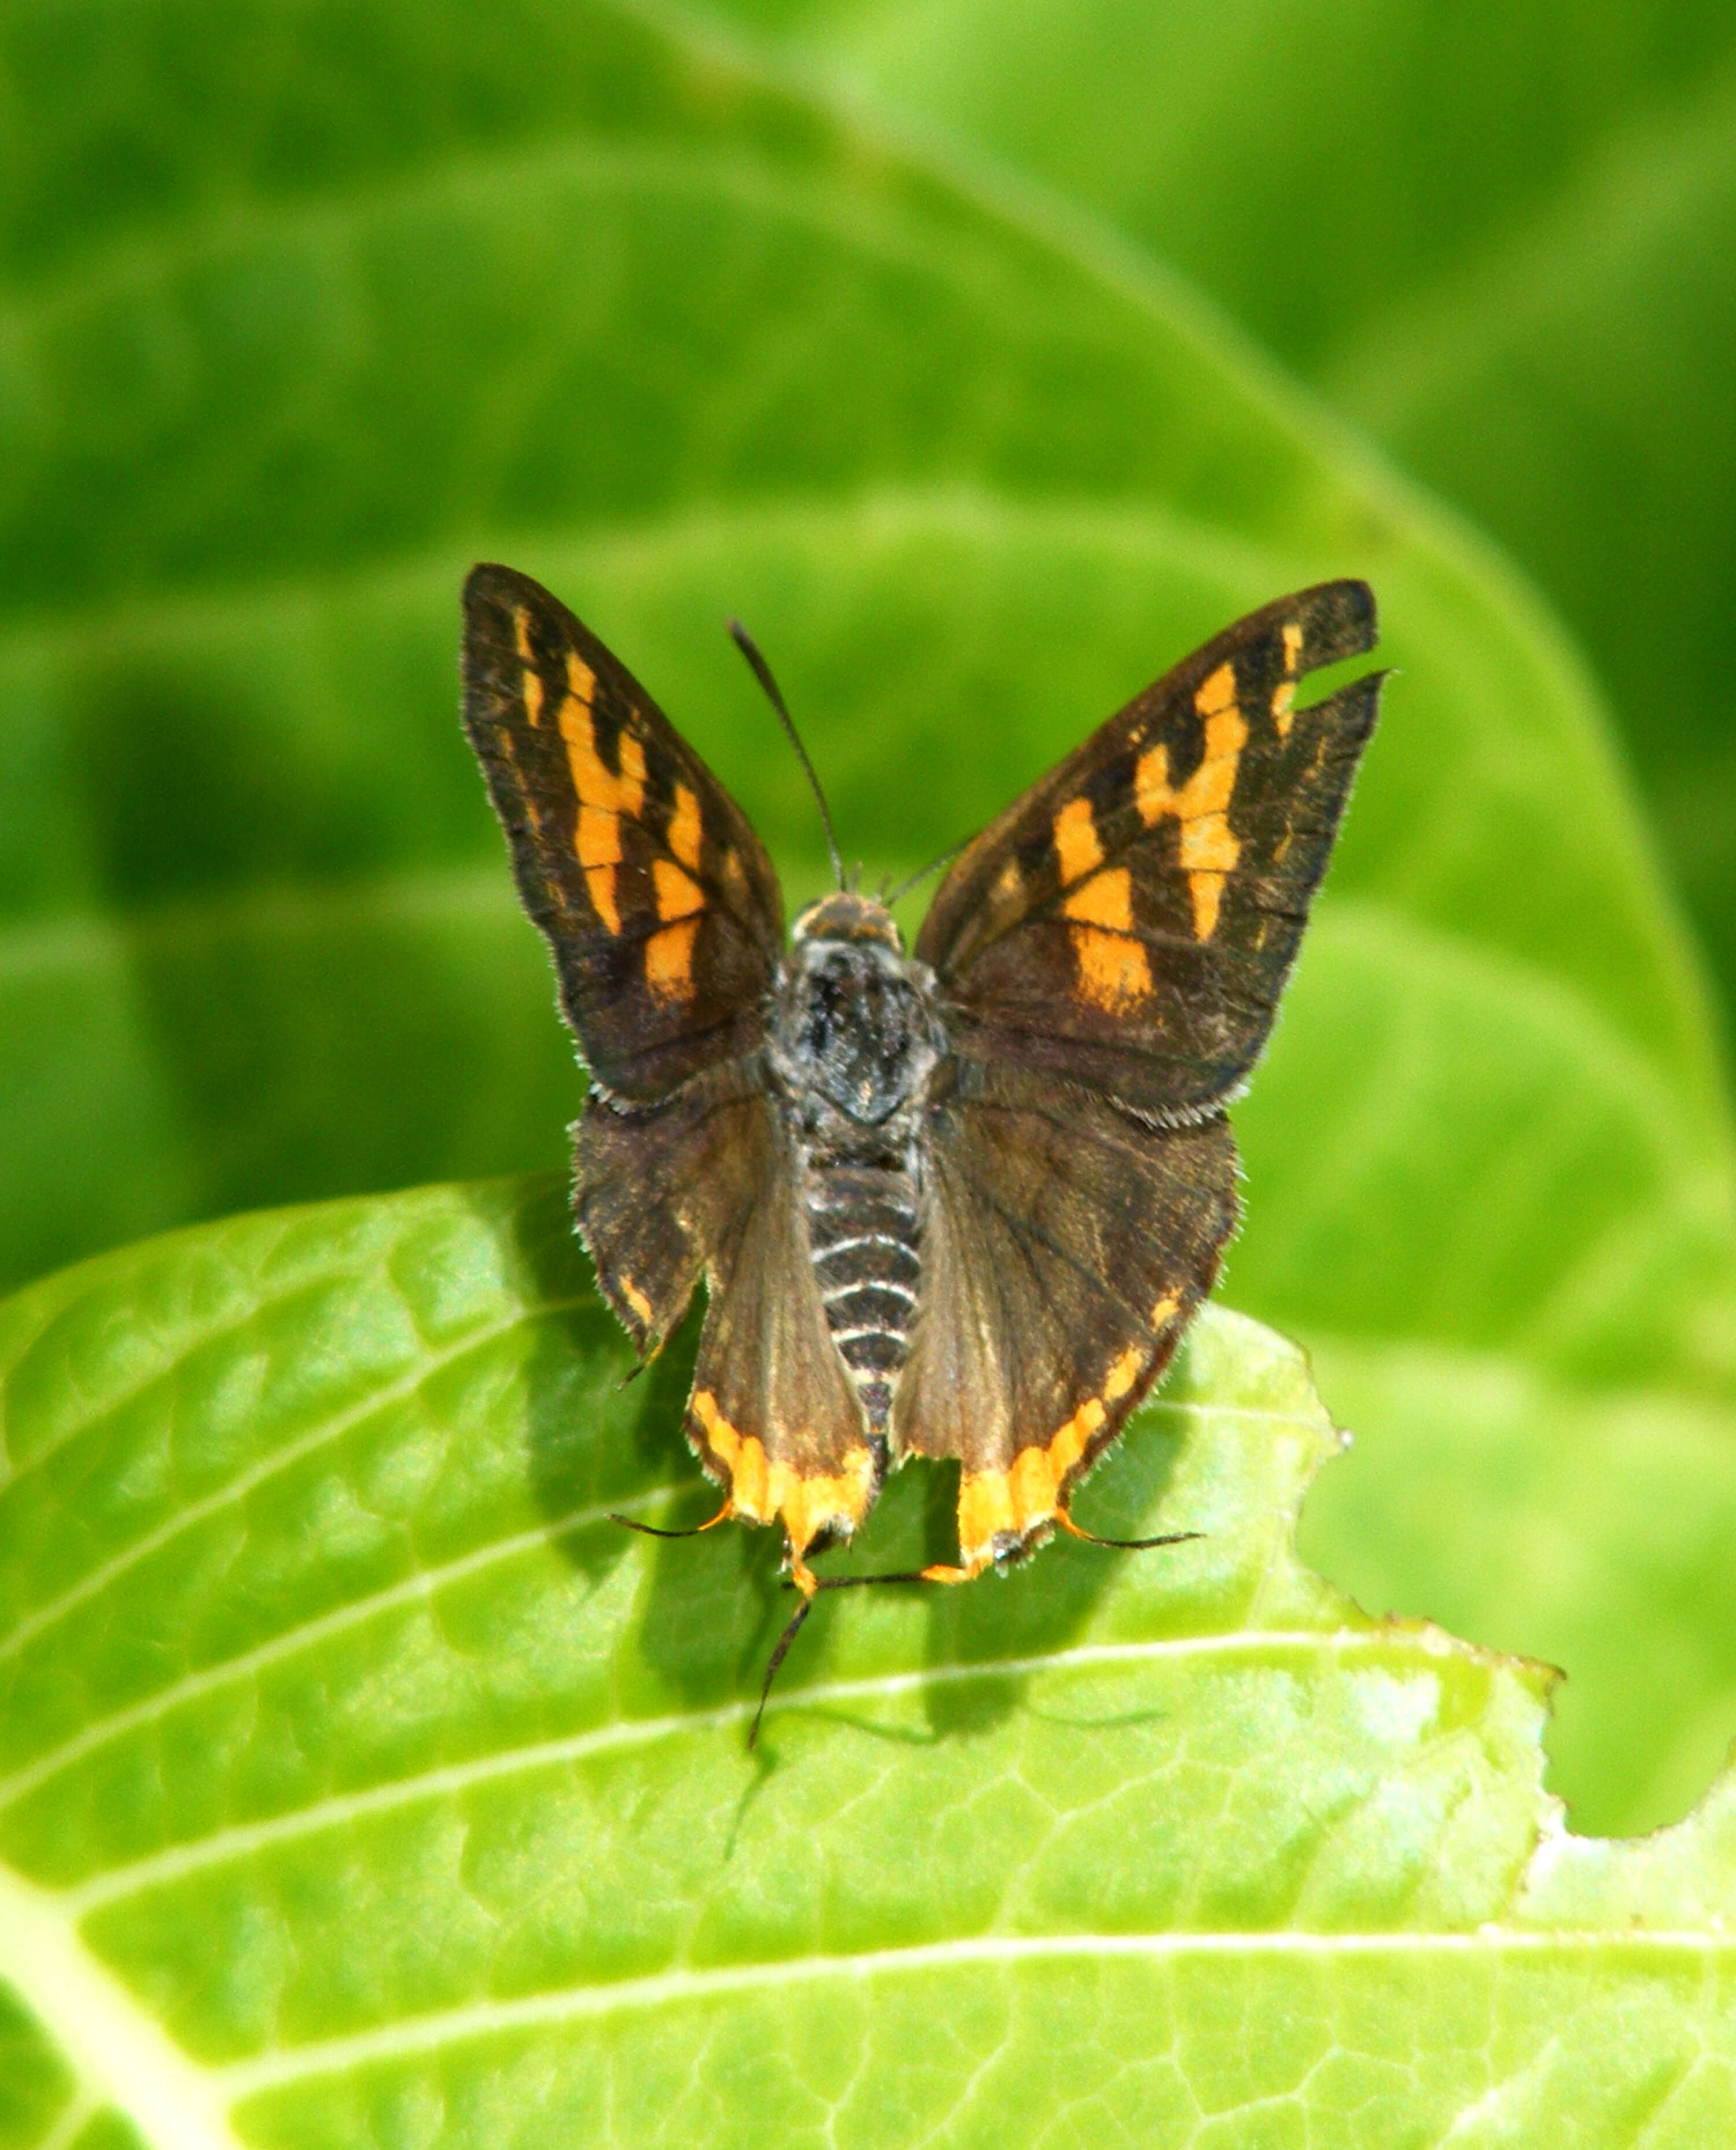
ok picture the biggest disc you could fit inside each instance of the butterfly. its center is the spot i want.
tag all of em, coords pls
(958, 1202)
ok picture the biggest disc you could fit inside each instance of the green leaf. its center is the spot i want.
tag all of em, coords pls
(361, 1783)
(304, 311)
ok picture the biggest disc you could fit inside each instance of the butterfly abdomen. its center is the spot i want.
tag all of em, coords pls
(856, 1038)
(864, 1228)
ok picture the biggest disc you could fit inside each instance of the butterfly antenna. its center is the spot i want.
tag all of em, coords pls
(750, 648)
(934, 866)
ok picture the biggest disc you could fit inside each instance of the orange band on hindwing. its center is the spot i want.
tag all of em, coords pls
(1013, 1503)
(765, 1489)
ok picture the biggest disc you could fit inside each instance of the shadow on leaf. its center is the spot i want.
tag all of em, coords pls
(599, 1434)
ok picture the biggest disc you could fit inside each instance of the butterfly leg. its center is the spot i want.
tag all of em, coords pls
(1123, 1544)
(698, 1530)
(810, 1585)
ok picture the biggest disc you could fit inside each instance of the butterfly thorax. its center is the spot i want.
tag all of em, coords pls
(855, 1040)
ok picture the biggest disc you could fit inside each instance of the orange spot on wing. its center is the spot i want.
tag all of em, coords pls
(1020, 1500)
(670, 962)
(1209, 849)
(606, 796)
(1067, 1445)
(1283, 694)
(762, 1489)
(1217, 691)
(669, 953)
(735, 877)
(532, 679)
(686, 827)
(1166, 1309)
(985, 1512)
(678, 895)
(599, 837)
(1031, 1485)
(636, 1300)
(600, 883)
(1114, 971)
(1076, 845)
(1208, 852)
(1107, 899)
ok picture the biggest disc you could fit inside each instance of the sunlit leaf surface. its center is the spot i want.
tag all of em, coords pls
(360, 1784)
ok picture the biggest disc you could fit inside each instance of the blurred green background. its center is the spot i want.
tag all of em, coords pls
(985, 357)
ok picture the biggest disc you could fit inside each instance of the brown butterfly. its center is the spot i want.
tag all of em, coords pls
(958, 1202)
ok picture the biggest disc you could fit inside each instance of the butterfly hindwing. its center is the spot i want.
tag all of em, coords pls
(706, 1182)
(653, 892)
(774, 1416)
(1067, 1245)
(1129, 923)
(658, 1187)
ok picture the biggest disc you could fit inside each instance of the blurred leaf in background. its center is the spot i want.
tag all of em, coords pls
(307, 307)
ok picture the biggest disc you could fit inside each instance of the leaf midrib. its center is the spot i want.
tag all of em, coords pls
(121, 2055)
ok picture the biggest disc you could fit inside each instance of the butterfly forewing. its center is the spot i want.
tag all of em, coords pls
(653, 892)
(1129, 923)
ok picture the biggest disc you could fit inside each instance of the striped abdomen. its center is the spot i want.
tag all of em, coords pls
(864, 1224)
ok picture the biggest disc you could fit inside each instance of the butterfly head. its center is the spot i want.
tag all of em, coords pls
(845, 915)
